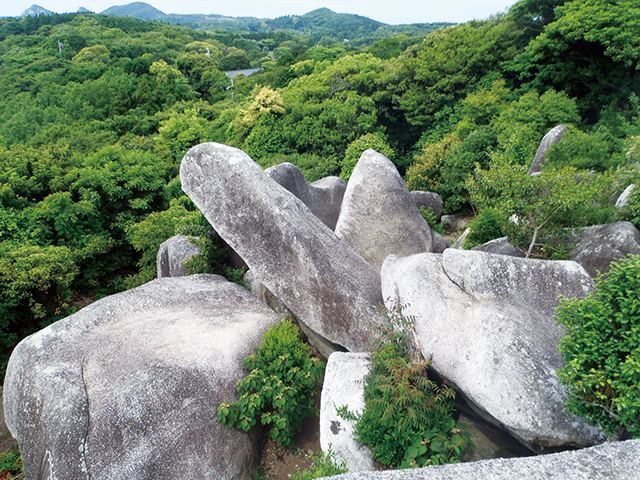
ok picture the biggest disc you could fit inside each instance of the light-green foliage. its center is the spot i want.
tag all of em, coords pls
(534, 206)
(279, 390)
(375, 141)
(601, 350)
(35, 289)
(407, 420)
(324, 465)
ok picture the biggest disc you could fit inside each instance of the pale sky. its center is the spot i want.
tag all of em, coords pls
(386, 11)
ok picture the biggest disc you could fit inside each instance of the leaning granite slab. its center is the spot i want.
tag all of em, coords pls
(128, 387)
(173, 254)
(553, 137)
(343, 385)
(623, 199)
(609, 461)
(299, 259)
(323, 197)
(379, 217)
(600, 245)
(486, 321)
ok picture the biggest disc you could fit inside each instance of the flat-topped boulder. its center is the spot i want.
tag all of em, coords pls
(487, 323)
(323, 197)
(379, 217)
(344, 386)
(610, 461)
(128, 387)
(320, 278)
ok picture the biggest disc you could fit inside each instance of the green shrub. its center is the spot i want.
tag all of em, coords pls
(407, 420)
(376, 141)
(11, 464)
(602, 350)
(280, 388)
(324, 465)
(485, 227)
(430, 217)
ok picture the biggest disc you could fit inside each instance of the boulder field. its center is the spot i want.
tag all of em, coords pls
(129, 386)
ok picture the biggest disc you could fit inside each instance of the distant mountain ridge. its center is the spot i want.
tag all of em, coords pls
(320, 22)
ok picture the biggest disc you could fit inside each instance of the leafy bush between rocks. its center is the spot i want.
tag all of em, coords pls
(11, 464)
(324, 465)
(408, 418)
(430, 217)
(602, 350)
(486, 226)
(280, 388)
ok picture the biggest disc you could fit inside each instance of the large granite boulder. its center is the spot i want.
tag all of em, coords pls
(173, 254)
(321, 279)
(553, 137)
(379, 216)
(323, 197)
(600, 245)
(128, 387)
(610, 461)
(344, 386)
(429, 200)
(486, 321)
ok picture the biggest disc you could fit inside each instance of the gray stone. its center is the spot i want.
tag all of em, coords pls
(487, 323)
(172, 255)
(623, 199)
(602, 244)
(439, 243)
(553, 137)
(323, 197)
(299, 259)
(128, 387)
(489, 441)
(610, 461)
(500, 246)
(428, 200)
(378, 215)
(456, 222)
(344, 385)
(322, 346)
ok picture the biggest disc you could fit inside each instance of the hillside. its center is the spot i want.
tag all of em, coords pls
(92, 133)
(318, 23)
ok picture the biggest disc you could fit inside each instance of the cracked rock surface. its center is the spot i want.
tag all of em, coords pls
(618, 460)
(320, 278)
(486, 321)
(128, 387)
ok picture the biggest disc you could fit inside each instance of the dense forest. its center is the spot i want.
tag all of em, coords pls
(96, 112)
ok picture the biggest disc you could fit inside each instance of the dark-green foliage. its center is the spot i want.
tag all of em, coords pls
(279, 390)
(601, 350)
(324, 465)
(486, 226)
(11, 464)
(375, 141)
(408, 418)
(430, 217)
